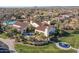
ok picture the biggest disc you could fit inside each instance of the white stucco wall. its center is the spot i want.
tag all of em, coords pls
(46, 31)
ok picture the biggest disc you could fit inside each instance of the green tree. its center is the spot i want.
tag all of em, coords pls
(53, 22)
(1, 29)
(30, 28)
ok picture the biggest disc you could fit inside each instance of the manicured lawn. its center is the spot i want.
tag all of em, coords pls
(73, 40)
(50, 48)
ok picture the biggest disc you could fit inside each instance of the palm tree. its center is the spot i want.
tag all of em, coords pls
(40, 36)
(18, 37)
(53, 22)
(30, 28)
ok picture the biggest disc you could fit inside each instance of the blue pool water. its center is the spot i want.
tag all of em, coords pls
(27, 34)
(64, 45)
(9, 22)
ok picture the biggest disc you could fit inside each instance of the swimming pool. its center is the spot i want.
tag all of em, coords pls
(63, 45)
(28, 34)
(9, 22)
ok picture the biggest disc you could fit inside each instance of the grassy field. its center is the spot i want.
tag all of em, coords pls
(4, 36)
(73, 40)
(50, 48)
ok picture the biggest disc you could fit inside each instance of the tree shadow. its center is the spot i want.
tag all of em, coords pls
(64, 34)
(54, 39)
(75, 32)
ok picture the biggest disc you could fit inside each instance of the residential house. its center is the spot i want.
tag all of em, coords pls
(13, 23)
(43, 27)
(20, 26)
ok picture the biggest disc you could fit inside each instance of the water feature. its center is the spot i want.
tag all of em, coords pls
(9, 22)
(27, 34)
(63, 45)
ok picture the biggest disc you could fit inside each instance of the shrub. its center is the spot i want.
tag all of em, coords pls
(17, 39)
(24, 41)
(64, 33)
(75, 32)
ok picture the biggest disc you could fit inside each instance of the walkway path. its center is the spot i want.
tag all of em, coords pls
(77, 50)
(10, 43)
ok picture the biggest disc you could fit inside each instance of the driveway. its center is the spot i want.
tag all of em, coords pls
(10, 43)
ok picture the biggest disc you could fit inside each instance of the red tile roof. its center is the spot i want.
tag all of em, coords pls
(42, 26)
(21, 24)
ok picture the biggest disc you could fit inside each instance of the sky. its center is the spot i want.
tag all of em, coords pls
(29, 3)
